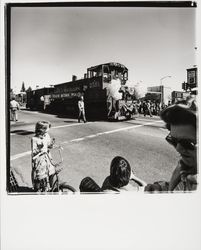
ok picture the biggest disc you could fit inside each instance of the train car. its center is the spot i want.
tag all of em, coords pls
(39, 99)
(104, 90)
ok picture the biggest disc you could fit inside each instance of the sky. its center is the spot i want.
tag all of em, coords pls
(50, 44)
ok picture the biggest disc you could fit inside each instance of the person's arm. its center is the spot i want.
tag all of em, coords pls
(136, 179)
(36, 149)
(176, 177)
(51, 143)
(79, 106)
(192, 180)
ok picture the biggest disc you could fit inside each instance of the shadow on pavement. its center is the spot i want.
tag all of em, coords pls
(20, 189)
(22, 132)
(69, 121)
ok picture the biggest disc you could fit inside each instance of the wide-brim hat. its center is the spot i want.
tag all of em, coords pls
(181, 113)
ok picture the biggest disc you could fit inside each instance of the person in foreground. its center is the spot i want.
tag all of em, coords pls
(88, 185)
(120, 178)
(181, 121)
(42, 169)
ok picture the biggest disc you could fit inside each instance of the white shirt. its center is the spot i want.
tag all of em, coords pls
(81, 105)
(14, 104)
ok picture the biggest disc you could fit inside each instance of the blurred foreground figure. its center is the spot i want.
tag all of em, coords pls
(181, 121)
(88, 185)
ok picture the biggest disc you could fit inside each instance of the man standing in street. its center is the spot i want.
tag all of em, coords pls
(14, 107)
(81, 109)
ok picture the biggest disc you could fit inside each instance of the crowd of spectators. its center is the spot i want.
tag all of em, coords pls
(145, 107)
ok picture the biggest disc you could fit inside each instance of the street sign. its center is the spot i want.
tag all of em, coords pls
(192, 77)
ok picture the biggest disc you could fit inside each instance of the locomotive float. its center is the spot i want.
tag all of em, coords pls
(103, 87)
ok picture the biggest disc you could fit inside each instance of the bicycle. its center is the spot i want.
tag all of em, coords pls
(55, 186)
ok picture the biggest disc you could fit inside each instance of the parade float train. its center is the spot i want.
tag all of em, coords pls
(103, 87)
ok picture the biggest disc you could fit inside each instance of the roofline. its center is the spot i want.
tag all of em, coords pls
(109, 64)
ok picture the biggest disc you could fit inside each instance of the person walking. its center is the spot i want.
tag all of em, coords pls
(81, 110)
(14, 107)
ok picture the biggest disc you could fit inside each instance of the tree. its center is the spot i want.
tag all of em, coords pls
(23, 87)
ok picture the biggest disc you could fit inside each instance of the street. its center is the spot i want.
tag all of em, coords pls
(88, 148)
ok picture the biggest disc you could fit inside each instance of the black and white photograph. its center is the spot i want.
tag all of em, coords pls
(101, 102)
(102, 99)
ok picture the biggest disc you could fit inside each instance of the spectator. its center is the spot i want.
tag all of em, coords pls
(149, 108)
(42, 169)
(81, 109)
(120, 176)
(158, 109)
(144, 108)
(139, 106)
(14, 107)
(88, 185)
(181, 122)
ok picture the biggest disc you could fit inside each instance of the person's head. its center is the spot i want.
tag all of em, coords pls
(181, 121)
(81, 97)
(89, 185)
(42, 127)
(120, 172)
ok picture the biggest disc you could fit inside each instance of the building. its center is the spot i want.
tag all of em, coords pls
(160, 93)
(179, 95)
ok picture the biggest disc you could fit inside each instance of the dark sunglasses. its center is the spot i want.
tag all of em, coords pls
(185, 143)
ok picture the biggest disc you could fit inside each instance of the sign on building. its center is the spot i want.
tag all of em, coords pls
(192, 77)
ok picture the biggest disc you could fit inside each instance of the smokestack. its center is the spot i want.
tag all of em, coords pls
(74, 78)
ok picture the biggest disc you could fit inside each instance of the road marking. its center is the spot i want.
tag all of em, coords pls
(108, 132)
(144, 120)
(75, 140)
(17, 156)
(70, 125)
(28, 111)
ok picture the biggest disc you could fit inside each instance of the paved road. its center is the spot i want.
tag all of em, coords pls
(89, 148)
